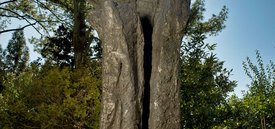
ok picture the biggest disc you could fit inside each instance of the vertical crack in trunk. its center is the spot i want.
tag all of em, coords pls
(147, 32)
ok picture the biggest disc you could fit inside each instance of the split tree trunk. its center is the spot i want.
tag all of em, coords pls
(141, 42)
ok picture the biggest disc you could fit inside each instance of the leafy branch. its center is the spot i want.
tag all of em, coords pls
(31, 20)
(39, 3)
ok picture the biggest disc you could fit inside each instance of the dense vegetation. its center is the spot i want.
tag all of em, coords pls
(60, 92)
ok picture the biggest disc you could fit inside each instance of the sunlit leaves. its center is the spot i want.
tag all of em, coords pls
(51, 98)
(256, 109)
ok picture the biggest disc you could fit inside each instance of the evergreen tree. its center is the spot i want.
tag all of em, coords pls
(16, 53)
(58, 48)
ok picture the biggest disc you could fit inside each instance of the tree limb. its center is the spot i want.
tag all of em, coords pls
(10, 16)
(22, 18)
(21, 28)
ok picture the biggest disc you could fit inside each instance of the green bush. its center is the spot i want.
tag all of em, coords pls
(51, 97)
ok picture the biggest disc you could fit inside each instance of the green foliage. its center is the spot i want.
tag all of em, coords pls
(260, 97)
(17, 53)
(59, 48)
(54, 96)
(50, 97)
(197, 25)
(262, 79)
(48, 15)
(39, 14)
(65, 4)
(204, 82)
(257, 108)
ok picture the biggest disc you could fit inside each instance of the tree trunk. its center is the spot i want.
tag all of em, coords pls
(80, 43)
(141, 42)
(263, 124)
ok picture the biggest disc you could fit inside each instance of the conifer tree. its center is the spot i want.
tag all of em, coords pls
(16, 53)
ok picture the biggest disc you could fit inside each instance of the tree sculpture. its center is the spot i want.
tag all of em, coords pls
(141, 41)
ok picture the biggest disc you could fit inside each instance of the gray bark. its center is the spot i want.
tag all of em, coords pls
(141, 42)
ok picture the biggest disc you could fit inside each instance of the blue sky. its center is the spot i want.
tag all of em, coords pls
(250, 26)
(28, 32)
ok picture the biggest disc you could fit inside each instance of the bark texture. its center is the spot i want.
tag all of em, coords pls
(141, 41)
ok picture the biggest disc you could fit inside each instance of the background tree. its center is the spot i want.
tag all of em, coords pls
(256, 108)
(2, 69)
(17, 53)
(2, 61)
(82, 32)
(260, 97)
(205, 84)
(48, 15)
(58, 48)
(80, 35)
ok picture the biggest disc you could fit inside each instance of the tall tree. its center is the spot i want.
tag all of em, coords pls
(80, 33)
(83, 34)
(17, 53)
(141, 42)
(204, 82)
(48, 14)
(59, 48)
